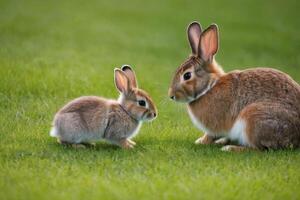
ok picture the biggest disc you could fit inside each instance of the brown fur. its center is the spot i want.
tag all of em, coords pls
(266, 99)
(217, 100)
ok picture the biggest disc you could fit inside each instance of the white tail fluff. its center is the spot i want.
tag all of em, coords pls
(53, 132)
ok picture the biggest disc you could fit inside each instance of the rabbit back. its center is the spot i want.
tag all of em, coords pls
(81, 120)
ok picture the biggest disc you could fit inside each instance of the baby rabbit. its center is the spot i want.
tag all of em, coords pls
(258, 108)
(90, 118)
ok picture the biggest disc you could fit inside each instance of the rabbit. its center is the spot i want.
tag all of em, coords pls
(90, 118)
(256, 108)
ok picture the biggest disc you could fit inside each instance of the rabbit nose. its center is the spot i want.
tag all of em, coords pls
(171, 93)
(154, 114)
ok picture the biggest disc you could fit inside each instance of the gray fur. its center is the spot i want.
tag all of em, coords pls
(91, 118)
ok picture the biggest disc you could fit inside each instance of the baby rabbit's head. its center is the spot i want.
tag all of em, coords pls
(134, 100)
(200, 71)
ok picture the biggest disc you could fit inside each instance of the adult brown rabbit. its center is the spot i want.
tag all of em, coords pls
(258, 108)
(91, 118)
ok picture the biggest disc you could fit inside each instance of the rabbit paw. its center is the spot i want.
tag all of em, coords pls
(125, 144)
(131, 142)
(234, 148)
(205, 139)
(222, 141)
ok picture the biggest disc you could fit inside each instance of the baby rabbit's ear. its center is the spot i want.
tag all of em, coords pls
(194, 32)
(121, 81)
(209, 43)
(130, 74)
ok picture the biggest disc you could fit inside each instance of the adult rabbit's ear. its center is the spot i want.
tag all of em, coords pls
(209, 43)
(131, 75)
(194, 31)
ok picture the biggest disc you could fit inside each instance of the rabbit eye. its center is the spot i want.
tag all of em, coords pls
(187, 76)
(142, 103)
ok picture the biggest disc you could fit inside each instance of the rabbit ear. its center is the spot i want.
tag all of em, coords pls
(121, 81)
(130, 74)
(194, 32)
(209, 43)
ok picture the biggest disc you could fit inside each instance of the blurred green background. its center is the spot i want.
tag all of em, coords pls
(54, 51)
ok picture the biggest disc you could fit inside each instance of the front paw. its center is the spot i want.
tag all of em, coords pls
(222, 141)
(125, 144)
(131, 142)
(205, 139)
(234, 148)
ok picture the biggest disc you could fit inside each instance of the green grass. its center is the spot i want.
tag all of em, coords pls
(52, 52)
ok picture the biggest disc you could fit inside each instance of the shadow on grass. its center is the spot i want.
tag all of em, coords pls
(164, 149)
(183, 145)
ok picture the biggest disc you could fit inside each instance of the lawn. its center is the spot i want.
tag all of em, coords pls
(52, 52)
